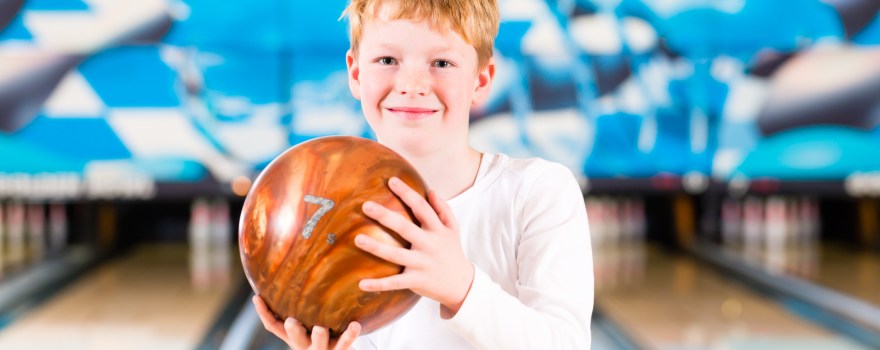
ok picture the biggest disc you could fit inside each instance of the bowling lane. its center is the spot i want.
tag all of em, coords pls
(849, 270)
(667, 300)
(158, 296)
(841, 267)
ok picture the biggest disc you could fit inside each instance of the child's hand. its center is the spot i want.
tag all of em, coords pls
(435, 265)
(294, 334)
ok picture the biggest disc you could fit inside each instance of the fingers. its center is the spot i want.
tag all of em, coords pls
(398, 255)
(428, 214)
(268, 318)
(291, 331)
(443, 210)
(392, 220)
(346, 340)
(393, 282)
(420, 208)
(296, 334)
(320, 337)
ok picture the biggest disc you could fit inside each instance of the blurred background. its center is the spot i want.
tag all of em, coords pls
(727, 152)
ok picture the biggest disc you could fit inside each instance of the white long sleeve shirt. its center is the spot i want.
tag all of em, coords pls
(524, 227)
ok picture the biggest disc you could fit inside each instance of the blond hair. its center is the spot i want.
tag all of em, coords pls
(476, 21)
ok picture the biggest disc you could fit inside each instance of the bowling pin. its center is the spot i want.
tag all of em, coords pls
(15, 217)
(631, 219)
(58, 228)
(774, 222)
(220, 236)
(753, 218)
(2, 239)
(612, 214)
(605, 224)
(641, 226)
(199, 225)
(731, 222)
(812, 236)
(774, 234)
(792, 222)
(627, 224)
(813, 220)
(797, 239)
(602, 267)
(220, 225)
(199, 243)
(597, 227)
(36, 227)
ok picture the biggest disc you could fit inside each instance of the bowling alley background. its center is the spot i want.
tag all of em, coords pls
(727, 152)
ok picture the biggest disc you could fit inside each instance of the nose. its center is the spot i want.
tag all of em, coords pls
(413, 81)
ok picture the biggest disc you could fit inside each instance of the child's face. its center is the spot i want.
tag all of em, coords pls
(416, 85)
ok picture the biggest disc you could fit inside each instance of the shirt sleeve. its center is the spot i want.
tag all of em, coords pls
(554, 290)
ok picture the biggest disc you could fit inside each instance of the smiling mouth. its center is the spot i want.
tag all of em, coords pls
(411, 113)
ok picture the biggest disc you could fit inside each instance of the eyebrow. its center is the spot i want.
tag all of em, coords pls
(388, 46)
(445, 50)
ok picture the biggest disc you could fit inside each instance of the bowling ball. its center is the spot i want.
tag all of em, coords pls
(297, 230)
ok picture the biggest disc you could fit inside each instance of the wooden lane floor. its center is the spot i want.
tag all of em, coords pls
(156, 297)
(667, 300)
(852, 271)
(844, 268)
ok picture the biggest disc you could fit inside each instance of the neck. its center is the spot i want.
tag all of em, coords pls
(449, 172)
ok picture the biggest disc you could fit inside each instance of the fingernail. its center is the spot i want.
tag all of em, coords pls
(394, 181)
(289, 322)
(369, 206)
(360, 239)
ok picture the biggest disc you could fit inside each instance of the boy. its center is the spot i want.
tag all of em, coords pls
(502, 259)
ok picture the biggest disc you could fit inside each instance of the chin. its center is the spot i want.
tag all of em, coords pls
(412, 143)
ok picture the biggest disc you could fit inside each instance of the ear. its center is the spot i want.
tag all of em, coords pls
(354, 84)
(484, 82)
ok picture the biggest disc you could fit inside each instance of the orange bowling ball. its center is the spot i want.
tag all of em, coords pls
(297, 230)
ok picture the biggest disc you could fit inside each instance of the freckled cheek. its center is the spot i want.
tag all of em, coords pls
(458, 100)
(372, 96)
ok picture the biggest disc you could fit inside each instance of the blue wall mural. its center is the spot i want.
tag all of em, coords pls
(107, 99)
